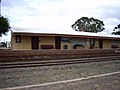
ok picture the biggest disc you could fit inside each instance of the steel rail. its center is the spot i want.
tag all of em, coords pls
(56, 62)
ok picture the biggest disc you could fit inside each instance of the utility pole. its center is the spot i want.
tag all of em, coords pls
(0, 16)
(0, 7)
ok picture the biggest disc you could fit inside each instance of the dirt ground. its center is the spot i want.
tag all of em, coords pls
(38, 75)
(111, 82)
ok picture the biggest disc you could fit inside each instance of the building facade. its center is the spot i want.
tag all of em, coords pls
(31, 41)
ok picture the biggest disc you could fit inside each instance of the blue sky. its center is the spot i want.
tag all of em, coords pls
(60, 14)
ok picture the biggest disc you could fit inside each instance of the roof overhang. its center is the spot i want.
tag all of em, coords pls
(63, 35)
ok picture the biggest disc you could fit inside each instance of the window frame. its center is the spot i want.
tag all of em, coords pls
(18, 38)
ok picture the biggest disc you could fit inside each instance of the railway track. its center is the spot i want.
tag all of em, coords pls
(56, 62)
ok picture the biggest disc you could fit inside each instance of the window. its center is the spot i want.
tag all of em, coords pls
(66, 40)
(115, 42)
(88, 41)
(18, 38)
(92, 42)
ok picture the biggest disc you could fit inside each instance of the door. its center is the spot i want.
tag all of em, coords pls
(35, 42)
(92, 43)
(100, 43)
(57, 42)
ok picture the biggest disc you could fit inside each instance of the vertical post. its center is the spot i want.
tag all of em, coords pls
(0, 16)
(0, 7)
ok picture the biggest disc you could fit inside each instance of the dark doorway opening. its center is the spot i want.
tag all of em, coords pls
(100, 43)
(57, 42)
(92, 43)
(35, 42)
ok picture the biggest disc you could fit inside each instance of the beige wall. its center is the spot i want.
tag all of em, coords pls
(26, 42)
(50, 40)
(46, 41)
(24, 45)
(107, 44)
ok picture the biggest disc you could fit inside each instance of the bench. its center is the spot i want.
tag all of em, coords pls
(114, 46)
(47, 47)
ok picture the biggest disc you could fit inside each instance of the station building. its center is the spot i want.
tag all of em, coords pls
(37, 39)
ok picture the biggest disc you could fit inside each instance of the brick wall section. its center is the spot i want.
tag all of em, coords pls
(26, 55)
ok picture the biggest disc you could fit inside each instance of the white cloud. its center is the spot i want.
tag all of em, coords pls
(60, 14)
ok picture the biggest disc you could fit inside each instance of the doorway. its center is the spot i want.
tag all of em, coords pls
(35, 42)
(57, 42)
(100, 43)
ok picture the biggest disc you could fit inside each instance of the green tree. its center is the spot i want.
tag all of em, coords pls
(88, 25)
(4, 25)
(118, 30)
